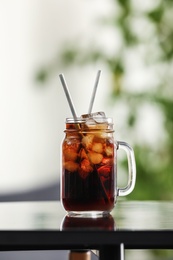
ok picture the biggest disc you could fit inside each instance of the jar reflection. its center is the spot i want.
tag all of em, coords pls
(100, 223)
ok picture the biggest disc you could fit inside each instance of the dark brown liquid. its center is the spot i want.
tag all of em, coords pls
(88, 178)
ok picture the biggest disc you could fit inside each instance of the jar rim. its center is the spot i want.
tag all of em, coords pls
(98, 120)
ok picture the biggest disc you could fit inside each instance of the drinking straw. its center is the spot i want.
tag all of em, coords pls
(67, 93)
(94, 91)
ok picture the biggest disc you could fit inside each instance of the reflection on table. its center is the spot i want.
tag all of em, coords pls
(81, 223)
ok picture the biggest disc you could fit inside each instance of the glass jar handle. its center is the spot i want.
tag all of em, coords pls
(131, 168)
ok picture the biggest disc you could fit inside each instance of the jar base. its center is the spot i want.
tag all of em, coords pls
(88, 214)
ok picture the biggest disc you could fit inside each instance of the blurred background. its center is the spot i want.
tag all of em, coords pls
(130, 41)
(33, 106)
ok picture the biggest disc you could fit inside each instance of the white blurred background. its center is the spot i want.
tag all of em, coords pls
(32, 117)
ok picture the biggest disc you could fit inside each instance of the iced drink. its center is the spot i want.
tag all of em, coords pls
(88, 165)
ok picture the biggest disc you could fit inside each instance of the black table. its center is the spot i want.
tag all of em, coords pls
(44, 226)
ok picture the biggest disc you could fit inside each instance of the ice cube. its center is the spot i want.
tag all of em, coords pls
(97, 117)
(96, 120)
(107, 161)
(87, 141)
(85, 168)
(90, 122)
(109, 150)
(83, 154)
(71, 166)
(105, 171)
(97, 147)
(95, 158)
(70, 154)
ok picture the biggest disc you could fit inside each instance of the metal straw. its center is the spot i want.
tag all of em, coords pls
(94, 91)
(68, 96)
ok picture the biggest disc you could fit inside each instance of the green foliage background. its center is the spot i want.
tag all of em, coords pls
(154, 44)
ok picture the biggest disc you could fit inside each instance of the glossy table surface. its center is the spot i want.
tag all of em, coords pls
(44, 225)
